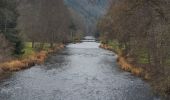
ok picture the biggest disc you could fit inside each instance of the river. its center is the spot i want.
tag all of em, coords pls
(81, 71)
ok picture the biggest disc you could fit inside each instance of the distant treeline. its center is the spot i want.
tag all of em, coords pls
(142, 30)
(41, 21)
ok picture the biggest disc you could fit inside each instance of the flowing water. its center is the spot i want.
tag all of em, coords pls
(81, 71)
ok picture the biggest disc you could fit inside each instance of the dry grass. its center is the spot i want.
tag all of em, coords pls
(107, 47)
(159, 83)
(112, 47)
(29, 60)
(12, 65)
(138, 71)
(16, 65)
(125, 65)
(40, 57)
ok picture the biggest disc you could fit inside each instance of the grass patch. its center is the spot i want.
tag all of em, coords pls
(114, 45)
(28, 50)
(142, 57)
(125, 65)
(31, 51)
(31, 57)
(159, 81)
(130, 68)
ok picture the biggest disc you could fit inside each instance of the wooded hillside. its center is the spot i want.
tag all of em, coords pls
(141, 28)
(37, 21)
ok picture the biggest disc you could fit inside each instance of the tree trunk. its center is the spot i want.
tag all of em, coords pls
(33, 44)
(5, 25)
(51, 45)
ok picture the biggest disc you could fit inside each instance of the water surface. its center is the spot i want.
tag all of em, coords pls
(81, 71)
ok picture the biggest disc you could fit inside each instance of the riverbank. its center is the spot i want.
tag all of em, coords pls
(29, 59)
(159, 83)
(124, 64)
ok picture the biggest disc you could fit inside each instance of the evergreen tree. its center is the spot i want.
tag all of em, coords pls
(8, 22)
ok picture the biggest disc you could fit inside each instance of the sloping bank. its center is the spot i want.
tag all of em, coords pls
(159, 86)
(125, 65)
(30, 60)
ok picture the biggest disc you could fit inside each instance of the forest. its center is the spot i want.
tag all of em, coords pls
(139, 31)
(28, 26)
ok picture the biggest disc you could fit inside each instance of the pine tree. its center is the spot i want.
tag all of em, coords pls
(8, 23)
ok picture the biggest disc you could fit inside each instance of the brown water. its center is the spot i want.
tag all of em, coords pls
(82, 71)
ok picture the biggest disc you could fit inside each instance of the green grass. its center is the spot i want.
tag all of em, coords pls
(28, 44)
(46, 46)
(143, 60)
(142, 57)
(115, 46)
(28, 49)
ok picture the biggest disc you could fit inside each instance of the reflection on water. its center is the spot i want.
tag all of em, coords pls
(81, 71)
